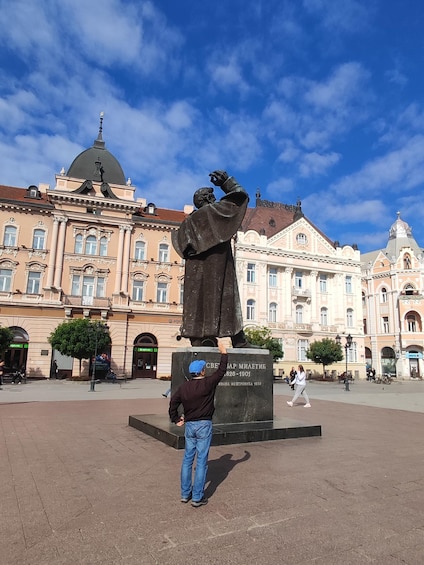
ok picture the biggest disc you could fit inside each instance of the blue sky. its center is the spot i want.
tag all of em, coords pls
(320, 100)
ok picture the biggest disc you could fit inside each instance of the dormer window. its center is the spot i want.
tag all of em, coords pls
(32, 192)
(150, 209)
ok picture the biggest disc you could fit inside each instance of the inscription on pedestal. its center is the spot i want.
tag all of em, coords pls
(245, 394)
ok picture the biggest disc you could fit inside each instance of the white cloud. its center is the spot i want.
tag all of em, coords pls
(313, 164)
(399, 169)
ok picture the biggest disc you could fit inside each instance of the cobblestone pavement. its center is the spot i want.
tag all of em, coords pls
(79, 486)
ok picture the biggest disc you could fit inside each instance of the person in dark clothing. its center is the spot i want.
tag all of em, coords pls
(197, 398)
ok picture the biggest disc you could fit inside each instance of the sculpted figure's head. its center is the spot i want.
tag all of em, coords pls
(203, 196)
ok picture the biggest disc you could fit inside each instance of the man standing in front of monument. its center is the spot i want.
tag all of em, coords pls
(211, 305)
(197, 396)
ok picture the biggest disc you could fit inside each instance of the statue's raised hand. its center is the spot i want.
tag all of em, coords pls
(218, 177)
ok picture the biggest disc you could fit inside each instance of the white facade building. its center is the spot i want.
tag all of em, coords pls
(297, 282)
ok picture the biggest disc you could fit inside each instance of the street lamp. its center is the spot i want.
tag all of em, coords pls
(97, 328)
(347, 346)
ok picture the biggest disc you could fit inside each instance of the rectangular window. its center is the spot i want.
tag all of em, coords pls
(33, 284)
(101, 286)
(140, 251)
(385, 324)
(138, 288)
(250, 309)
(5, 280)
(38, 239)
(163, 253)
(348, 284)
(251, 272)
(352, 353)
(162, 292)
(76, 285)
(302, 346)
(323, 283)
(9, 236)
(298, 279)
(272, 277)
(181, 293)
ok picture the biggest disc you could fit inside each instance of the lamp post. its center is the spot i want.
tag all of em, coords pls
(347, 346)
(97, 328)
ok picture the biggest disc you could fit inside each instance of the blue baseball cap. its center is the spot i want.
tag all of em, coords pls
(197, 366)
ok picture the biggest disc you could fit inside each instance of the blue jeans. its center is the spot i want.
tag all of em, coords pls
(198, 437)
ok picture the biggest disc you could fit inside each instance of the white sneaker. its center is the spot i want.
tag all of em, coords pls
(307, 405)
(289, 402)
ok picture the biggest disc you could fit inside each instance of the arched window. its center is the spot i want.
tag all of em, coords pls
(349, 318)
(38, 239)
(411, 322)
(91, 245)
(407, 261)
(299, 314)
(78, 243)
(250, 313)
(272, 315)
(383, 295)
(9, 236)
(140, 251)
(163, 253)
(103, 247)
(324, 316)
(409, 289)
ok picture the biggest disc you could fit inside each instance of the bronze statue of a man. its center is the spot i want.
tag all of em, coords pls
(211, 306)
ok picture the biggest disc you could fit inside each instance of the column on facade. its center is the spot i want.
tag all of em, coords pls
(287, 294)
(315, 318)
(60, 253)
(53, 249)
(126, 260)
(118, 273)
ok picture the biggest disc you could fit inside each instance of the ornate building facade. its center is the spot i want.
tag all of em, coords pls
(87, 248)
(300, 284)
(393, 304)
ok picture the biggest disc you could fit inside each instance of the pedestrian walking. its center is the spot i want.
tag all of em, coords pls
(300, 387)
(197, 396)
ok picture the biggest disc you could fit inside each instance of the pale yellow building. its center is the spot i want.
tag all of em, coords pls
(393, 304)
(87, 248)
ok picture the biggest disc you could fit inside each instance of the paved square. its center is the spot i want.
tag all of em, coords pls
(79, 486)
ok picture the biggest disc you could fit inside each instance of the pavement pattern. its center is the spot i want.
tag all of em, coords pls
(79, 486)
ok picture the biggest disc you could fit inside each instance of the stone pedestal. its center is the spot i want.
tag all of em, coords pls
(243, 401)
(245, 394)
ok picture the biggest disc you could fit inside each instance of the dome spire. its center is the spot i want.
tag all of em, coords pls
(99, 143)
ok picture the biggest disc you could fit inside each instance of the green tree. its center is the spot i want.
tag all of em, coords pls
(80, 339)
(262, 337)
(326, 352)
(6, 338)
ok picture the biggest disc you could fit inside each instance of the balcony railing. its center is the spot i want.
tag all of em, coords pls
(301, 292)
(91, 301)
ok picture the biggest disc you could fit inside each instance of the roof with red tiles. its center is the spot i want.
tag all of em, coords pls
(269, 218)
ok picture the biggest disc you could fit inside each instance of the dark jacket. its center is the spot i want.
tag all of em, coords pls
(197, 396)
